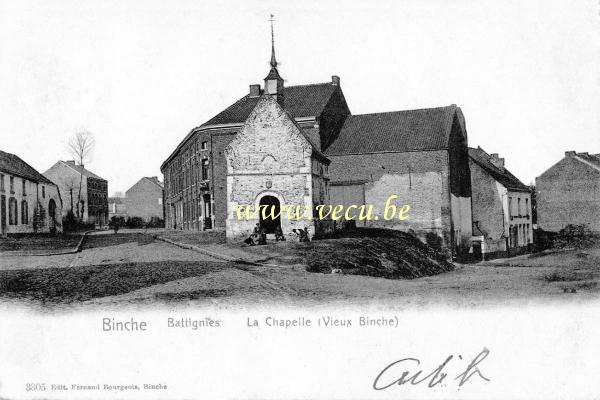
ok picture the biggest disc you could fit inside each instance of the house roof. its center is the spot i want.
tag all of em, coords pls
(14, 165)
(154, 179)
(81, 170)
(299, 101)
(397, 131)
(591, 159)
(502, 175)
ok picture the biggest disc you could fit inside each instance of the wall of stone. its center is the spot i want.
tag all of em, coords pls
(488, 203)
(270, 156)
(568, 193)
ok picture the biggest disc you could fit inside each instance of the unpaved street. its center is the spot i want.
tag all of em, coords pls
(565, 276)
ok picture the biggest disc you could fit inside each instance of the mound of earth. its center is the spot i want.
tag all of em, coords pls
(375, 252)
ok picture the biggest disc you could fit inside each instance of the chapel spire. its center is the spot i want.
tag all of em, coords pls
(273, 81)
(273, 60)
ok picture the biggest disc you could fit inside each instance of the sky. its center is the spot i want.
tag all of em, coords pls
(139, 75)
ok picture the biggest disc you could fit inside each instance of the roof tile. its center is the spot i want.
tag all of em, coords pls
(14, 165)
(397, 131)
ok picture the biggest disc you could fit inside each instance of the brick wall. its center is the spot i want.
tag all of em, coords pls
(568, 193)
(144, 200)
(96, 208)
(419, 179)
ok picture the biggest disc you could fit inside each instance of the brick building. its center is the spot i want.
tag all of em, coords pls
(145, 199)
(94, 191)
(300, 144)
(501, 206)
(569, 193)
(29, 202)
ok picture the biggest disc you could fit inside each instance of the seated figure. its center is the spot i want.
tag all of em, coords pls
(279, 234)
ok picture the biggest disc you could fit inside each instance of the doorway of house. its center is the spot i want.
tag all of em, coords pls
(52, 215)
(267, 222)
(3, 215)
(207, 212)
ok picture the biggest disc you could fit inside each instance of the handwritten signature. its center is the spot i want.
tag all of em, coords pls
(388, 377)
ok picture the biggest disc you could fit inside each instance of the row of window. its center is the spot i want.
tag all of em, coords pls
(177, 180)
(188, 168)
(13, 212)
(23, 186)
(519, 235)
(190, 211)
(519, 212)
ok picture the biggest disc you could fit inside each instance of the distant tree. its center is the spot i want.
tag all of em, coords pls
(81, 146)
(533, 204)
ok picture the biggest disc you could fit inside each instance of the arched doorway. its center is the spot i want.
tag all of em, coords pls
(273, 209)
(52, 215)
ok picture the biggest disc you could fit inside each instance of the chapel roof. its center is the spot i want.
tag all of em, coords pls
(299, 101)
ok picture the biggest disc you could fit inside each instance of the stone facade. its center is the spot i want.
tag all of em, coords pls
(569, 193)
(501, 208)
(94, 191)
(145, 199)
(28, 202)
(271, 156)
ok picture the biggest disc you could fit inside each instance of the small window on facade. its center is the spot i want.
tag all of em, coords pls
(24, 213)
(12, 184)
(24, 187)
(1, 182)
(204, 145)
(43, 191)
(204, 169)
(527, 207)
(510, 210)
(519, 206)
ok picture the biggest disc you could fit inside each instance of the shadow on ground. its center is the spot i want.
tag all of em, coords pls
(96, 241)
(67, 285)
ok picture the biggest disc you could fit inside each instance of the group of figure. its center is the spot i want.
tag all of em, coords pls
(302, 234)
(259, 236)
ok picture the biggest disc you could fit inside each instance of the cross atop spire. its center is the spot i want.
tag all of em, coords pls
(273, 60)
(273, 81)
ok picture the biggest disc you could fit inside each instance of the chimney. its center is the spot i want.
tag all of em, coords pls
(570, 153)
(335, 80)
(71, 162)
(585, 153)
(254, 90)
(497, 161)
